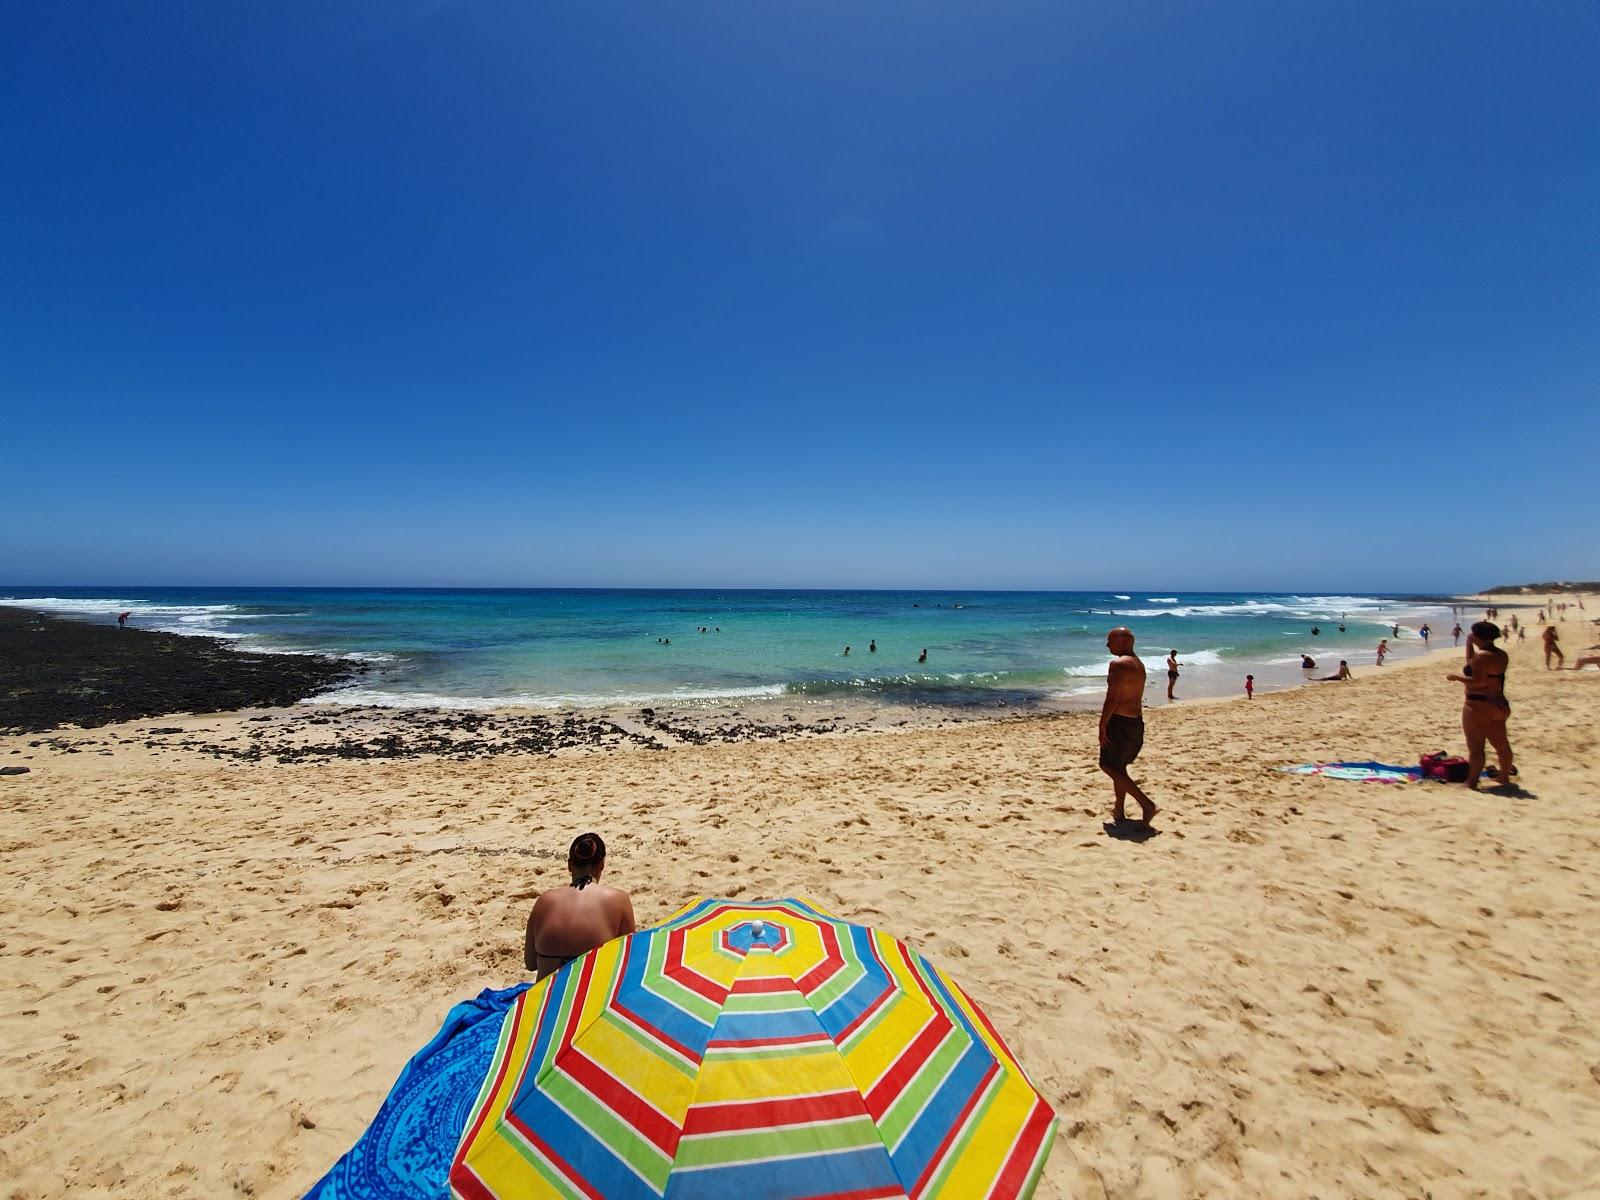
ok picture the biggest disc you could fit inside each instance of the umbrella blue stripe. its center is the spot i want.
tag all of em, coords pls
(742, 1026)
(650, 1008)
(793, 1179)
(860, 995)
(921, 1141)
(952, 1006)
(591, 1158)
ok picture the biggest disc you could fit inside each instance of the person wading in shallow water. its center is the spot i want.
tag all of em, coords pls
(568, 922)
(1122, 723)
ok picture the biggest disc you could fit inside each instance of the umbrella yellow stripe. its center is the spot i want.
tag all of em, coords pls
(871, 1055)
(981, 1150)
(805, 1072)
(664, 1083)
(651, 1045)
(620, 1138)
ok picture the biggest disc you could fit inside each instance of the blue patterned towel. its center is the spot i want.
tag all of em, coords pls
(405, 1152)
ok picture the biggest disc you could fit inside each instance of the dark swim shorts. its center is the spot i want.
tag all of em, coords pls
(1124, 740)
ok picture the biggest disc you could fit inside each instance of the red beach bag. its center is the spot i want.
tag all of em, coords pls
(1445, 770)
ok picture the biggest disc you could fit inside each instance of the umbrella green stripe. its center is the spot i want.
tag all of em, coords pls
(645, 1042)
(841, 982)
(923, 1084)
(766, 1002)
(710, 1151)
(657, 983)
(770, 1051)
(617, 1135)
(953, 1155)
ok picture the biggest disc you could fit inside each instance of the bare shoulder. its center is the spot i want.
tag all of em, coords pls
(1127, 662)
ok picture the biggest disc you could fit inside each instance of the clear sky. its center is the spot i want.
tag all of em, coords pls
(1060, 294)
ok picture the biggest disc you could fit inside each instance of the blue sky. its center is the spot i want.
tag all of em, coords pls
(1233, 295)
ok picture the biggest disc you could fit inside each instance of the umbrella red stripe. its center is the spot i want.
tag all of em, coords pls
(762, 983)
(605, 1088)
(955, 1130)
(807, 1039)
(825, 970)
(872, 1193)
(764, 1114)
(469, 1186)
(905, 1067)
(1015, 1172)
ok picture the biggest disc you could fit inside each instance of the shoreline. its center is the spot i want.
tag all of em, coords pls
(177, 678)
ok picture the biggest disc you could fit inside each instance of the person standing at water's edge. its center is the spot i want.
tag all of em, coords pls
(1172, 673)
(1122, 723)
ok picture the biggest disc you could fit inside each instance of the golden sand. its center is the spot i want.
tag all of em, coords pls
(1302, 987)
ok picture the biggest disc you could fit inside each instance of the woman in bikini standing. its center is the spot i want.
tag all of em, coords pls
(568, 922)
(1483, 716)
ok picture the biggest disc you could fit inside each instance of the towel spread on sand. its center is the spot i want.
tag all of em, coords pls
(405, 1153)
(1361, 772)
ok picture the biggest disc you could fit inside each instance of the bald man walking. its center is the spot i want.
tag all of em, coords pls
(1122, 723)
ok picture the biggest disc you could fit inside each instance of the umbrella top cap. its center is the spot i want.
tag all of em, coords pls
(758, 934)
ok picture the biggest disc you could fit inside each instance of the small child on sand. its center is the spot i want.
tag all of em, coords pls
(1250, 687)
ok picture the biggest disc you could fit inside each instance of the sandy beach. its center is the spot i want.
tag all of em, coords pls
(215, 967)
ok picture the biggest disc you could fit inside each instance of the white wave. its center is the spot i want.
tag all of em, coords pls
(1156, 599)
(1120, 596)
(384, 698)
(112, 607)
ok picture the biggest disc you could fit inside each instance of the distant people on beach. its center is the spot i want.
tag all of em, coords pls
(1307, 663)
(1341, 626)
(1344, 673)
(122, 619)
(1485, 710)
(568, 922)
(1316, 631)
(847, 651)
(1383, 650)
(1424, 632)
(1122, 723)
(1456, 633)
(923, 657)
(1172, 673)
(1587, 660)
(1552, 645)
(1249, 687)
(1395, 632)
(872, 646)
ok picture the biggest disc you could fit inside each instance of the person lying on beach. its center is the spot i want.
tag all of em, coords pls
(568, 922)
(1485, 711)
(1344, 673)
(1587, 660)
(1122, 723)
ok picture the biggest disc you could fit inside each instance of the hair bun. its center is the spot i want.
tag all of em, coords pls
(587, 849)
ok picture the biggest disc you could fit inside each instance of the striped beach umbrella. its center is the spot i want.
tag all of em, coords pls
(758, 1051)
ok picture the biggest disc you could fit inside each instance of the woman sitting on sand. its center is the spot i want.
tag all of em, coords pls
(570, 921)
(1483, 716)
(1344, 673)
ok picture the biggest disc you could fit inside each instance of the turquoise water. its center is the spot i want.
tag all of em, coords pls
(557, 648)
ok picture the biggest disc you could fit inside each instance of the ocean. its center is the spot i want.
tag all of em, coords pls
(560, 648)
